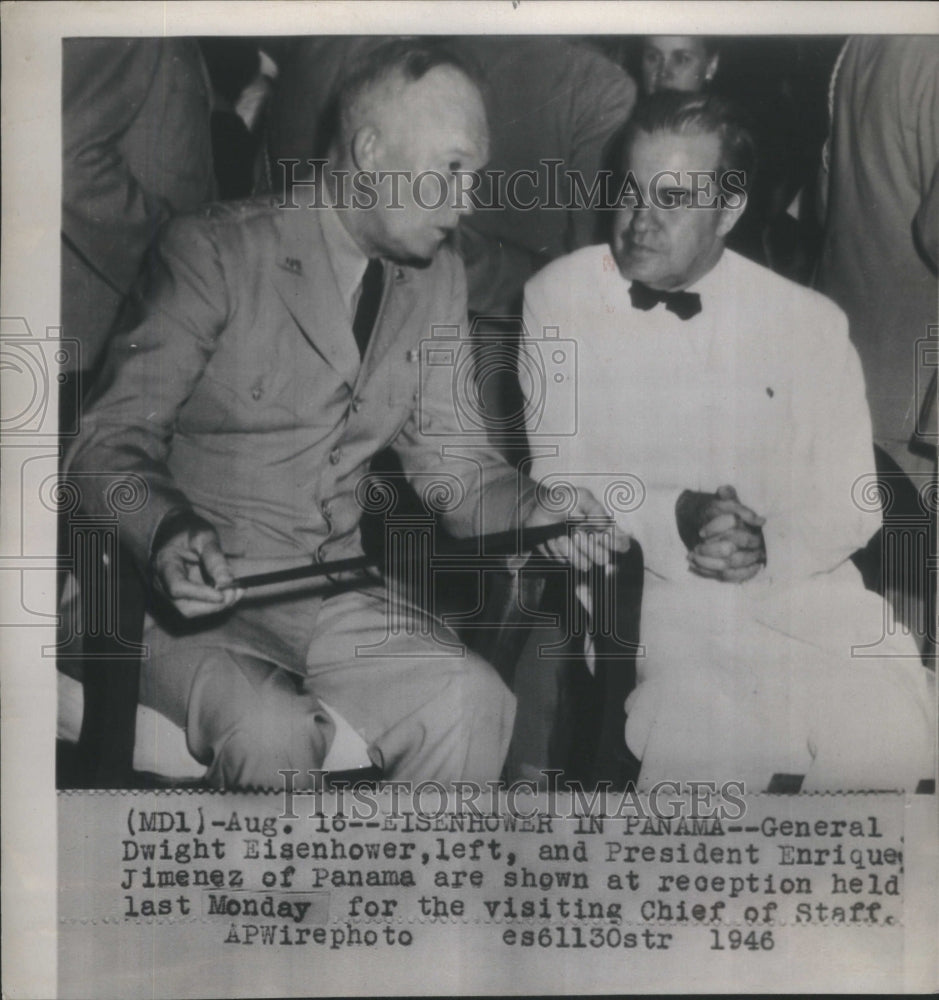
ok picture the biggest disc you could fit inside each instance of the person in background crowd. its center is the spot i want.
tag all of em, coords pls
(880, 181)
(678, 62)
(233, 64)
(137, 149)
(734, 397)
(879, 254)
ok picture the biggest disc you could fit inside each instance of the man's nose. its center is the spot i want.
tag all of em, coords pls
(641, 221)
(460, 201)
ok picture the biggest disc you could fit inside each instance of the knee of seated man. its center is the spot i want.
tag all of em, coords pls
(263, 743)
(481, 689)
(252, 732)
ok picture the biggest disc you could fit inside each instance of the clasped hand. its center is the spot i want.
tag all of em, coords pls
(723, 536)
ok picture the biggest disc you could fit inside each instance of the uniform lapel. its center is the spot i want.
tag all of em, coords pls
(304, 279)
(397, 309)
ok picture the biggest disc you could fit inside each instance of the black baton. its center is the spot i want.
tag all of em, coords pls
(499, 543)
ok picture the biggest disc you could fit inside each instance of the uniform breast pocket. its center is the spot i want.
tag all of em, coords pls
(245, 397)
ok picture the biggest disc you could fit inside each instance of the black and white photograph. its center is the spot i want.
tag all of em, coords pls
(470, 493)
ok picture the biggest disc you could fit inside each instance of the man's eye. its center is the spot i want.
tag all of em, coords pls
(677, 196)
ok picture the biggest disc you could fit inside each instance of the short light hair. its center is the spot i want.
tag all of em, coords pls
(406, 59)
(677, 113)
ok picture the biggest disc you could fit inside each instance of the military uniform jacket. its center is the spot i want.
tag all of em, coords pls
(241, 393)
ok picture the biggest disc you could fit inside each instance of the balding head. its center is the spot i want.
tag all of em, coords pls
(377, 78)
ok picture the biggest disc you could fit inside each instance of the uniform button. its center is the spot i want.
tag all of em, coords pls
(256, 393)
(412, 356)
(324, 507)
(335, 455)
(356, 404)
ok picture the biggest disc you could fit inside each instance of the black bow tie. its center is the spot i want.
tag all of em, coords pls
(683, 304)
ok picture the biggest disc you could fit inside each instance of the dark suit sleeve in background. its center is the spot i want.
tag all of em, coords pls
(136, 148)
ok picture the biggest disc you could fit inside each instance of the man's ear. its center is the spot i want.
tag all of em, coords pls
(364, 148)
(711, 68)
(730, 216)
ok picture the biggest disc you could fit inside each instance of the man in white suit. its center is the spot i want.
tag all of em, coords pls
(737, 400)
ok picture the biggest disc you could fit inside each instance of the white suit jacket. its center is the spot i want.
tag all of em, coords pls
(761, 390)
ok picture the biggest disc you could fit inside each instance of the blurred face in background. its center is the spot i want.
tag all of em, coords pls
(676, 62)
